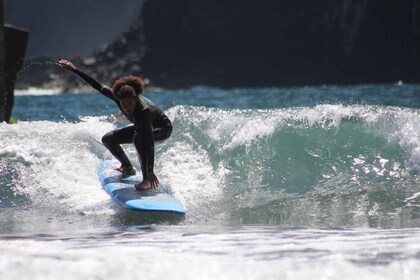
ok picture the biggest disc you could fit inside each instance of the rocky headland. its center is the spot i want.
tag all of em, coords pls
(263, 43)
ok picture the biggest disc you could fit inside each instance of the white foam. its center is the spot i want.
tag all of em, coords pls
(228, 128)
(61, 160)
(191, 176)
(407, 135)
(398, 126)
(244, 130)
(38, 91)
(247, 254)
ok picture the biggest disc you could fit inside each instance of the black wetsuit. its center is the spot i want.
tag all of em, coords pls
(150, 125)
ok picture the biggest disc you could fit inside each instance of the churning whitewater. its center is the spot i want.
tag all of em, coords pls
(293, 183)
(328, 165)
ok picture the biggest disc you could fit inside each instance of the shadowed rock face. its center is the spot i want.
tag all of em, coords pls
(70, 28)
(268, 42)
(265, 43)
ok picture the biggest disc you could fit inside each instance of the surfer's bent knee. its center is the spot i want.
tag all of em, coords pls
(107, 139)
(162, 134)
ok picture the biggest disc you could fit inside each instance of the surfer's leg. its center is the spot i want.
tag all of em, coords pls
(159, 134)
(139, 143)
(113, 140)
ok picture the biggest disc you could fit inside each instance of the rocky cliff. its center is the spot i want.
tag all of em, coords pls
(70, 27)
(266, 43)
(274, 42)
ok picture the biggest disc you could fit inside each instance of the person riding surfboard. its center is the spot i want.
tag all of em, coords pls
(150, 124)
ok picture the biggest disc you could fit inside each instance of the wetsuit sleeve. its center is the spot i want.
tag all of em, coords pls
(94, 83)
(146, 129)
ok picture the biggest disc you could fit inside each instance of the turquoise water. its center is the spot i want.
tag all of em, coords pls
(285, 183)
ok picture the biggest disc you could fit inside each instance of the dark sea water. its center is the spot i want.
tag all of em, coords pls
(279, 183)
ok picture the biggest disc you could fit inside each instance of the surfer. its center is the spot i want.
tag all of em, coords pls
(150, 124)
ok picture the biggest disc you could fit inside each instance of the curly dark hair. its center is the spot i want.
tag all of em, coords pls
(135, 82)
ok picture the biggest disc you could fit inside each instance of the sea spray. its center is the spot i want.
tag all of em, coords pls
(38, 72)
(39, 61)
(59, 160)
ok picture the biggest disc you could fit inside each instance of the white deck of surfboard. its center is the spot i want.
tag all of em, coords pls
(121, 189)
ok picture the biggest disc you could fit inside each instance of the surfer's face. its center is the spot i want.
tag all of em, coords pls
(128, 104)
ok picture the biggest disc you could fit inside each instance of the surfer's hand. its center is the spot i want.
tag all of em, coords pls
(154, 182)
(67, 65)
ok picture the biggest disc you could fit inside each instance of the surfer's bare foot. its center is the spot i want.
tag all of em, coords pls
(145, 185)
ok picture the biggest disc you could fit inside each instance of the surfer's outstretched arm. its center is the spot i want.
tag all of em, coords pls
(88, 79)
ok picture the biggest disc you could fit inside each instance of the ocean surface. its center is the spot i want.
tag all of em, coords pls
(314, 182)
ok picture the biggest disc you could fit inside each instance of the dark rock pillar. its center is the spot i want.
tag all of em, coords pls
(15, 47)
(13, 43)
(2, 64)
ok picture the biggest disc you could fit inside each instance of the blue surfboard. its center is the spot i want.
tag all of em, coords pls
(121, 189)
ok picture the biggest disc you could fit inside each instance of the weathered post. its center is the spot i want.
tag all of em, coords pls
(2, 64)
(13, 43)
(15, 40)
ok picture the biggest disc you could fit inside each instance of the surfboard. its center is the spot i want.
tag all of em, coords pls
(121, 189)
